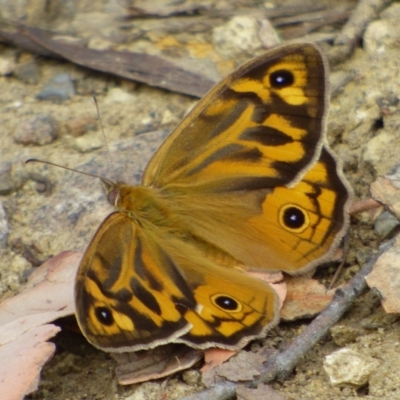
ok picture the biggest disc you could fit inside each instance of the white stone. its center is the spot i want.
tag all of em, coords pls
(89, 142)
(117, 95)
(7, 66)
(346, 366)
(238, 36)
(381, 152)
(383, 34)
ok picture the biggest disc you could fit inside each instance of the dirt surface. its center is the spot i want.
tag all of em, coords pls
(48, 210)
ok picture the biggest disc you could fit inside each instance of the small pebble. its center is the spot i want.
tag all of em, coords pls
(4, 230)
(342, 334)
(88, 143)
(6, 182)
(239, 36)
(117, 95)
(7, 65)
(385, 224)
(28, 72)
(346, 366)
(79, 126)
(59, 88)
(192, 377)
(38, 130)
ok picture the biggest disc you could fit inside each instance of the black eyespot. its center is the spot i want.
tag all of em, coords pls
(226, 303)
(104, 315)
(281, 79)
(293, 217)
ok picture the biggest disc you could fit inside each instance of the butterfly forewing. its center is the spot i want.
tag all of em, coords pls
(260, 127)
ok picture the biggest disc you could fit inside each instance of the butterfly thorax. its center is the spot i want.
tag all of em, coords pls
(151, 208)
(146, 205)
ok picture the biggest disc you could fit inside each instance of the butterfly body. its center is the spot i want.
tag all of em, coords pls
(245, 182)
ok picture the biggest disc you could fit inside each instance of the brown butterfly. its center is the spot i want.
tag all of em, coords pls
(245, 182)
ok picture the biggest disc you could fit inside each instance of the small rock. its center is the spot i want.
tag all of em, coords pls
(6, 182)
(80, 125)
(383, 34)
(28, 72)
(192, 377)
(59, 88)
(39, 130)
(7, 65)
(381, 151)
(385, 224)
(117, 95)
(88, 143)
(346, 366)
(342, 334)
(239, 36)
(4, 230)
(268, 34)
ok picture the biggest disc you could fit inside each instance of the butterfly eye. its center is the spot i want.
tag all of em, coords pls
(226, 303)
(294, 218)
(281, 79)
(104, 315)
(112, 197)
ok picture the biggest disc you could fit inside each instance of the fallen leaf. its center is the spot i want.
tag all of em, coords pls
(162, 361)
(244, 366)
(47, 296)
(385, 277)
(305, 298)
(22, 359)
(24, 328)
(386, 190)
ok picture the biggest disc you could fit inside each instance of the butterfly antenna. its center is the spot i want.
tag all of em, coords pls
(105, 139)
(63, 167)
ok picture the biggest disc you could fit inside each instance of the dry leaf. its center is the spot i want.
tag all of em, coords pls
(47, 296)
(244, 366)
(305, 298)
(24, 328)
(385, 277)
(142, 366)
(22, 359)
(386, 190)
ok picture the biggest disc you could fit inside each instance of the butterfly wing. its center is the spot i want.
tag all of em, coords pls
(260, 127)
(137, 291)
(242, 168)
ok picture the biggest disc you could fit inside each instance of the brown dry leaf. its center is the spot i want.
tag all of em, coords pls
(140, 67)
(22, 359)
(386, 189)
(244, 366)
(385, 277)
(144, 365)
(47, 296)
(24, 328)
(305, 298)
(214, 357)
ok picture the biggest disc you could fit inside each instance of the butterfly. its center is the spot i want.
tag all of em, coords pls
(246, 182)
